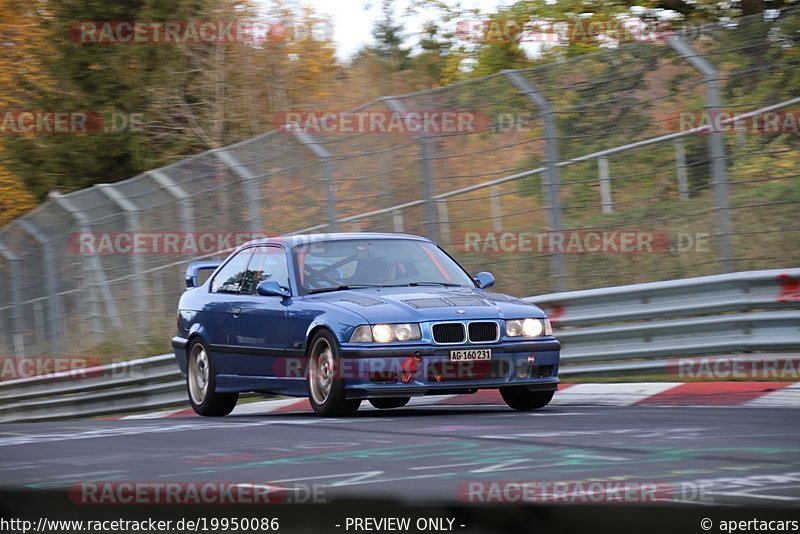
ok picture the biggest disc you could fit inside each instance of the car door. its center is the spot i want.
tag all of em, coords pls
(257, 326)
(216, 310)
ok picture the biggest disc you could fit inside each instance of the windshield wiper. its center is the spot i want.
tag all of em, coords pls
(416, 284)
(341, 288)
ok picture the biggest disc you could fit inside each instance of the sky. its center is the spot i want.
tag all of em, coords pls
(353, 19)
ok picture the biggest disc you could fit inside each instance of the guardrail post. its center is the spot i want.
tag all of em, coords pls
(680, 170)
(251, 186)
(716, 141)
(138, 285)
(432, 230)
(324, 155)
(605, 185)
(17, 334)
(552, 182)
(180, 195)
(55, 316)
(91, 264)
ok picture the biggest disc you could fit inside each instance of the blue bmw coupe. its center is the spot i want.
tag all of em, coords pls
(345, 317)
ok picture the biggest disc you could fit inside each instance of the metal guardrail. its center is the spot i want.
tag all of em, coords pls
(633, 328)
(125, 387)
(627, 328)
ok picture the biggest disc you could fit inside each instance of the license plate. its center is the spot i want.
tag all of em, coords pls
(470, 355)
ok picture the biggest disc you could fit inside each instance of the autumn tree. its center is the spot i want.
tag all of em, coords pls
(121, 80)
(21, 76)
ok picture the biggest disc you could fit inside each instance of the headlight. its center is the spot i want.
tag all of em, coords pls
(527, 327)
(362, 334)
(385, 333)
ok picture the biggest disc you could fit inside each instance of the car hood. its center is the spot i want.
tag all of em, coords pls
(411, 304)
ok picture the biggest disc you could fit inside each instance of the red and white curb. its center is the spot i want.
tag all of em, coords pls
(745, 394)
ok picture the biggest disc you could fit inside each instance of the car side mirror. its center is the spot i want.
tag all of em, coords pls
(194, 269)
(270, 288)
(484, 280)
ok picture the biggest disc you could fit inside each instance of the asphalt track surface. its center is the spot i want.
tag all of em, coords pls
(717, 455)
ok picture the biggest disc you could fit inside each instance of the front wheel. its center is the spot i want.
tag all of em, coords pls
(386, 404)
(520, 398)
(325, 383)
(201, 381)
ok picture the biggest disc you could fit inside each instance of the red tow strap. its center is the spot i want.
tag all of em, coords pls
(408, 368)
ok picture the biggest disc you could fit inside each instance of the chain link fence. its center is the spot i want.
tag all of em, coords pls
(558, 166)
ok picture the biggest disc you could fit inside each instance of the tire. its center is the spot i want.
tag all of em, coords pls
(325, 385)
(386, 404)
(201, 383)
(523, 400)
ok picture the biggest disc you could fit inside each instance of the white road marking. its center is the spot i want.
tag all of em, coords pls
(152, 415)
(622, 394)
(442, 466)
(788, 396)
(264, 407)
(112, 432)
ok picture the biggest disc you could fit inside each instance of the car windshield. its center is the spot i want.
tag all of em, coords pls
(329, 265)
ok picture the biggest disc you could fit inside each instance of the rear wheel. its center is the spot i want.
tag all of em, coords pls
(325, 383)
(520, 398)
(201, 382)
(386, 404)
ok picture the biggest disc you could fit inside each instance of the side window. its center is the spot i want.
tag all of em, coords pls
(229, 279)
(268, 263)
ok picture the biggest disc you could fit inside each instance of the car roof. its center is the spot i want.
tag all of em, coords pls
(290, 241)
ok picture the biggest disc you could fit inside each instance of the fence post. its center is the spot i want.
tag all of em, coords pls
(716, 141)
(680, 170)
(552, 182)
(444, 221)
(397, 221)
(251, 186)
(55, 316)
(17, 334)
(92, 266)
(432, 230)
(138, 285)
(497, 212)
(180, 195)
(605, 185)
(324, 155)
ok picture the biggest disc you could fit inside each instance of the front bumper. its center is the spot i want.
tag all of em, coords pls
(378, 371)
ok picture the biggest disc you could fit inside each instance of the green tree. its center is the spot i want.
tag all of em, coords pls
(389, 39)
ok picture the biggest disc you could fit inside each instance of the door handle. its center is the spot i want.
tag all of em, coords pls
(236, 311)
